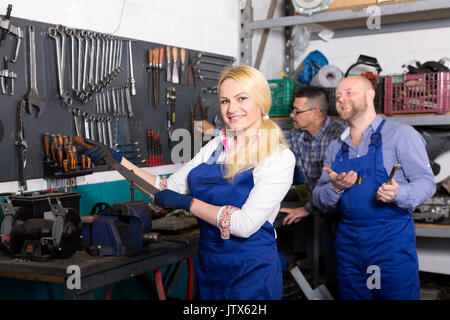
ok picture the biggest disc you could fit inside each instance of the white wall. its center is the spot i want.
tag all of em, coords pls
(208, 25)
(391, 49)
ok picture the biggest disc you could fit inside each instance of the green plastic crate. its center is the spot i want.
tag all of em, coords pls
(282, 91)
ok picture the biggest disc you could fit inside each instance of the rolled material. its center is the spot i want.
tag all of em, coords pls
(327, 77)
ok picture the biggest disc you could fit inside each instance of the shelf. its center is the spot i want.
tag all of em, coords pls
(395, 17)
(432, 230)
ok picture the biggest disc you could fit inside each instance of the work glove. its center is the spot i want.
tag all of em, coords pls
(171, 199)
(98, 152)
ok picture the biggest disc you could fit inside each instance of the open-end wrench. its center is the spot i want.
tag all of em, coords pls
(130, 109)
(198, 62)
(212, 55)
(132, 80)
(92, 61)
(34, 100)
(108, 120)
(86, 53)
(99, 129)
(72, 59)
(84, 115)
(207, 78)
(76, 113)
(77, 34)
(103, 120)
(53, 33)
(97, 61)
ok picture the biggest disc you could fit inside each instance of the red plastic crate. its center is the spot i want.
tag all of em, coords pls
(417, 93)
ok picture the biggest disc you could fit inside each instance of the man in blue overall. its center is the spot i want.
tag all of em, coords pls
(375, 242)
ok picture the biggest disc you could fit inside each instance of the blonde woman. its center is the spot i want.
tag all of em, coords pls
(234, 186)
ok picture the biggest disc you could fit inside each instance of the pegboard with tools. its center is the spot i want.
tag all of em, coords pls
(72, 82)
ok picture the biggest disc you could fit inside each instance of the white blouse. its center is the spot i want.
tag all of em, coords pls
(272, 180)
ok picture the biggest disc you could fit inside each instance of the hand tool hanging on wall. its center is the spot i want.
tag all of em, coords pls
(168, 60)
(7, 78)
(59, 36)
(33, 98)
(7, 27)
(191, 70)
(132, 80)
(175, 78)
(171, 98)
(151, 72)
(200, 55)
(183, 69)
(159, 62)
(21, 145)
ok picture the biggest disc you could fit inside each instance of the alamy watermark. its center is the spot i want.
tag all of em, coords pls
(374, 280)
(74, 279)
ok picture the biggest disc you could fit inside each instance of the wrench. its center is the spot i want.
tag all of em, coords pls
(132, 80)
(91, 61)
(76, 113)
(85, 115)
(34, 100)
(108, 120)
(104, 131)
(53, 33)
(130, 110)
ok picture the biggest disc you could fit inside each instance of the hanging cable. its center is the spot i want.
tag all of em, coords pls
(120, 19)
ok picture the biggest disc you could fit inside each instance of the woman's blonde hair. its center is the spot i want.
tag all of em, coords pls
(255, 146)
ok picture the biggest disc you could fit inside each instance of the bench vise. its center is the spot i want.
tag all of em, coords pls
(121, 230)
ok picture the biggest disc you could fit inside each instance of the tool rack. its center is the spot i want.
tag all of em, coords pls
(57, 117)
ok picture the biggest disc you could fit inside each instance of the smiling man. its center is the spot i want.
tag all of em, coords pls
(376, 231)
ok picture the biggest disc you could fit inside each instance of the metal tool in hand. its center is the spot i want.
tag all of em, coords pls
(396, 167)
(128, 174)
(34, 100)
(7, 27)
(7, 78)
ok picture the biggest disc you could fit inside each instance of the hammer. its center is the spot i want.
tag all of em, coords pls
(396, 167)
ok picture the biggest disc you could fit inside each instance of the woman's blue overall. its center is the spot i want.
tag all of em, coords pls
(235, 268)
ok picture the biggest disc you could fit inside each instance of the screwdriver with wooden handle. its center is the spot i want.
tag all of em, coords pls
(183, 70)
(128, 174)
(47, 146)
(175, 67)
(168, 60)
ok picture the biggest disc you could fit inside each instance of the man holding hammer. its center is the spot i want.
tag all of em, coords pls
(375, 174)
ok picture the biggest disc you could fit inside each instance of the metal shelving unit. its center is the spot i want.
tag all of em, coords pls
(419, 15)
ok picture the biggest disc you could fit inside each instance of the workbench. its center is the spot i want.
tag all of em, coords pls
(99, 272)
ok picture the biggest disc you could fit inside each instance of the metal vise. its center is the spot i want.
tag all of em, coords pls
(120, 230)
